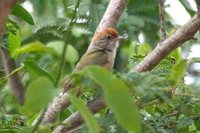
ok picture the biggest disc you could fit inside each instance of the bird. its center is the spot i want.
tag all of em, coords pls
(101, 51)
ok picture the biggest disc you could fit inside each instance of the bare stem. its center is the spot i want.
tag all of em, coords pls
(66, 43)
(14, 79)
(162, 20)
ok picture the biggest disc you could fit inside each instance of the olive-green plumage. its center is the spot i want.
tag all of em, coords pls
(95, 58)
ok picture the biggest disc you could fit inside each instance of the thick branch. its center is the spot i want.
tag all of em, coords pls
(183, 34)
(8, 63)
(57, 105)
(14, 80)
(75, 119)
(110, 19)
(112, 14)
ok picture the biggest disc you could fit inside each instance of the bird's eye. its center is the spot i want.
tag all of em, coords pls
(108, 37)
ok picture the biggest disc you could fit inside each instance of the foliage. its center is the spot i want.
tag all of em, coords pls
(20, 12)
(36, 98)
(86, 114)
(156, 101)
(118, 98)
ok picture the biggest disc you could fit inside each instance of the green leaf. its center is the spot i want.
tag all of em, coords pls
(86, 114)
(32, 66)
(178, 72)
(22, 13)
(71, 55)
(117, 97)
(183, 124)
(38, 95)
(14, 42)
(186, 4)
(177, 54)
(138, 21)
(78, 31)
(32, 47)
(197, 124)
(144, 49)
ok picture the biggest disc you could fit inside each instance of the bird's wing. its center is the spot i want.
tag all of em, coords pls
(96, 58)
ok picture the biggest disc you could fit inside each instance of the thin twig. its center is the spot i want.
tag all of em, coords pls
(12, 73)
(175, 113)
(162, 20)
(39, 120)
(72, 21)
(198, 5)
(193, 60)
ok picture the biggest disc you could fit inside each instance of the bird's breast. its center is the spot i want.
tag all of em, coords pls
(102, 58)
(111, 60)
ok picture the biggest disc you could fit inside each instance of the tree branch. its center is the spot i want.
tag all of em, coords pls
(57, 105)
(8, 63)
(183, 34)
(75, 119)
(13, 80)
(162, 19)
(112, 14)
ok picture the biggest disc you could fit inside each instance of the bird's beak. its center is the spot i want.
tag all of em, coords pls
(120, 37)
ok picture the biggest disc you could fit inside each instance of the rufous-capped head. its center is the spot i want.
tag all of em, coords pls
(106, 40)
(107, 33)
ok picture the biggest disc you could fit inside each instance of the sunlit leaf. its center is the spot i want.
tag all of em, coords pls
(38, 95)
(186, 4)
(118, 98)
(33, 47)
(14, 42)
(144, 49)
(33, 67)
(77, 31)
(22, 13)
(178, 71)
(177, 54)
(71, 55)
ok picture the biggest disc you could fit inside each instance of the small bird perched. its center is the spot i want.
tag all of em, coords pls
(102, 51)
